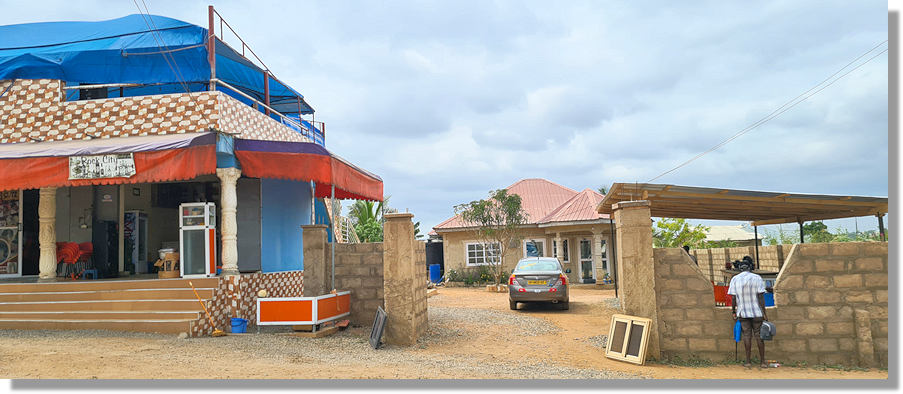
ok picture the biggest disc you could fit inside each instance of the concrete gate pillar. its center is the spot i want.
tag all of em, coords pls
(47, 234)
(636, 270)
(316, 264)
(405, 294)
(597, 254)
(229, 202)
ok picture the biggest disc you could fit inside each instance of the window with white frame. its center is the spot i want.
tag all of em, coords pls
(564, 245)
(482, 254)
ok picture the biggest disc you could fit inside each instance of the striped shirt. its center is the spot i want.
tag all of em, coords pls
(746, 287)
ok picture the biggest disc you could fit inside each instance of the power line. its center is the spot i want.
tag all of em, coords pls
(784, 108)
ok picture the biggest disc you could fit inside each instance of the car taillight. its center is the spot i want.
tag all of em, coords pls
(563, 279)
(511, 281)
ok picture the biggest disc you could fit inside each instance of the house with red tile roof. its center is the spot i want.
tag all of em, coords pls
(562, 223)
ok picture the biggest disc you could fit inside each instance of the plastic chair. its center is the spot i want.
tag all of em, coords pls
(92, 272)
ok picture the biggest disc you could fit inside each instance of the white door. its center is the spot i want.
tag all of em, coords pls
(587, 268)
(10, 233)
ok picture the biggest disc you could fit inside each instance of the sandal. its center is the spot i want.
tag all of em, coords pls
(747, 365)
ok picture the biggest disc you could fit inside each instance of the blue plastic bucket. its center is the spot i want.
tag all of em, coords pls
(769, 299)
(239, 325)
(435, 273)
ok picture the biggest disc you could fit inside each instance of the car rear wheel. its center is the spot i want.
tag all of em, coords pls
(564, 305)
(512, 304)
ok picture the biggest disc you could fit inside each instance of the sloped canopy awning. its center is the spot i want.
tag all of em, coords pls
(307, 161)
(156, 159)
(758, 207)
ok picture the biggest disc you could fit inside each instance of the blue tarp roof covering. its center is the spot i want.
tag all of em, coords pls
(126, 50)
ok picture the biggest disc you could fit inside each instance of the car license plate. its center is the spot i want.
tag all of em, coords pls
(537, 290)
(536, 282)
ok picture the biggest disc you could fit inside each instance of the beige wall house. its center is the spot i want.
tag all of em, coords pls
(562, 223)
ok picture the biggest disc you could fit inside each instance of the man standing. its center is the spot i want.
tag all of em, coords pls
(747, 292)
(687, 249)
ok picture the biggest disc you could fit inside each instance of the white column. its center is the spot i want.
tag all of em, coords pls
(597, 252)
(559, 248)
(229, 232)
(47, 233)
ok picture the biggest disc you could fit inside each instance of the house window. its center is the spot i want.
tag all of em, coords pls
(564, 245)
(534, 247)
(477, 254)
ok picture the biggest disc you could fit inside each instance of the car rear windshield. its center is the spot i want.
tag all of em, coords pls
(537, 265)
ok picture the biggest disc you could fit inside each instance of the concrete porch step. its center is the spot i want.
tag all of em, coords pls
(99, 315)
(97, 295)
(107, 284)
(166, 326)
(103, 305)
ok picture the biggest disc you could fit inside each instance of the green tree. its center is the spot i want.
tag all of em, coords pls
(815, 232)
(496, 220)
(417, 234)
(367, 217)
(780, 236)
(675, 233)
(602, 190)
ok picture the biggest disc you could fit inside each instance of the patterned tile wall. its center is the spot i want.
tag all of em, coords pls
(236, 296)
(34, 110)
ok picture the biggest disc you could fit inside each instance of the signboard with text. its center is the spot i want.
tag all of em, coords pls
(118, 165)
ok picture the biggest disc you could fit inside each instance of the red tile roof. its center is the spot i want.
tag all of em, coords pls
(546, 202)
(580, 207)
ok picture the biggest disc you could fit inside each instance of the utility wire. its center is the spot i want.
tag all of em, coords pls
(784, 108)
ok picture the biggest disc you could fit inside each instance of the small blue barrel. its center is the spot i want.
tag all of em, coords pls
(435, 273)
(239, 325)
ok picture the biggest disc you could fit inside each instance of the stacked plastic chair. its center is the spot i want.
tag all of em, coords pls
(67, 254)
(86, 260)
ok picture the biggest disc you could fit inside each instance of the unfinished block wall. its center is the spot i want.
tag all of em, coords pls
(359, 268)
(711, 261)
(831, 307)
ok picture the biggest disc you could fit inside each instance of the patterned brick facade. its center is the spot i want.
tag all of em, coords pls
(236, 296)
(35, 110)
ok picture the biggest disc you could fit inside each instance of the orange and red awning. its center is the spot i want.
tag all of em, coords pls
(307, 161)
(157, 159)
(178, 157)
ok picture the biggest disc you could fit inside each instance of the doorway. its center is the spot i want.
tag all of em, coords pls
(587, 268)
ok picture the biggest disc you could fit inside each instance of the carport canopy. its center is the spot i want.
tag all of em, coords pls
(757, 207)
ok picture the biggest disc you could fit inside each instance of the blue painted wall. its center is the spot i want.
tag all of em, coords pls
(285, 206)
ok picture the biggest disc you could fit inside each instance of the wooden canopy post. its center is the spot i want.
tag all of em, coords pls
(756, 232)
(801, 232)
(881, 227)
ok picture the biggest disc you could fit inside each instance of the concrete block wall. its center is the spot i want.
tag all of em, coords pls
(359, 268)
(831, 307)
(422, 277)
(711, 261)
(689, 322)
(833, 298)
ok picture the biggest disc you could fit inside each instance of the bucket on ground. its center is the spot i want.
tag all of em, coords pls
(239, 325)
(435, 273)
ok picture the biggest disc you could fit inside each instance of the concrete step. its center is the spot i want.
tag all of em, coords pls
(166, 326)
(102, 305)
(123, 294)
(111, 284)
(100, 315)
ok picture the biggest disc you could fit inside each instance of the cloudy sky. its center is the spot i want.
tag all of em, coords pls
(448, 100)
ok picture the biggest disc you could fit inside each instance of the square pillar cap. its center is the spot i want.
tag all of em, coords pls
(399, 216)
(314, 226)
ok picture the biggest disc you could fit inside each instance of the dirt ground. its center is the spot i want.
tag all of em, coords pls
(456, 347)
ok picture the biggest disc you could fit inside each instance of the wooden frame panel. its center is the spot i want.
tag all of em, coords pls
(628, 338)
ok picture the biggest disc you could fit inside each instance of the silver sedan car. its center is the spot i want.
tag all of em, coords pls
(538, 279)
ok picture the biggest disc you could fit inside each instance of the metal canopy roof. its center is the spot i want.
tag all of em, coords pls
(728, 204)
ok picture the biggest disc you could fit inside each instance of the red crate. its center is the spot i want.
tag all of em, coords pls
(721, 296)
